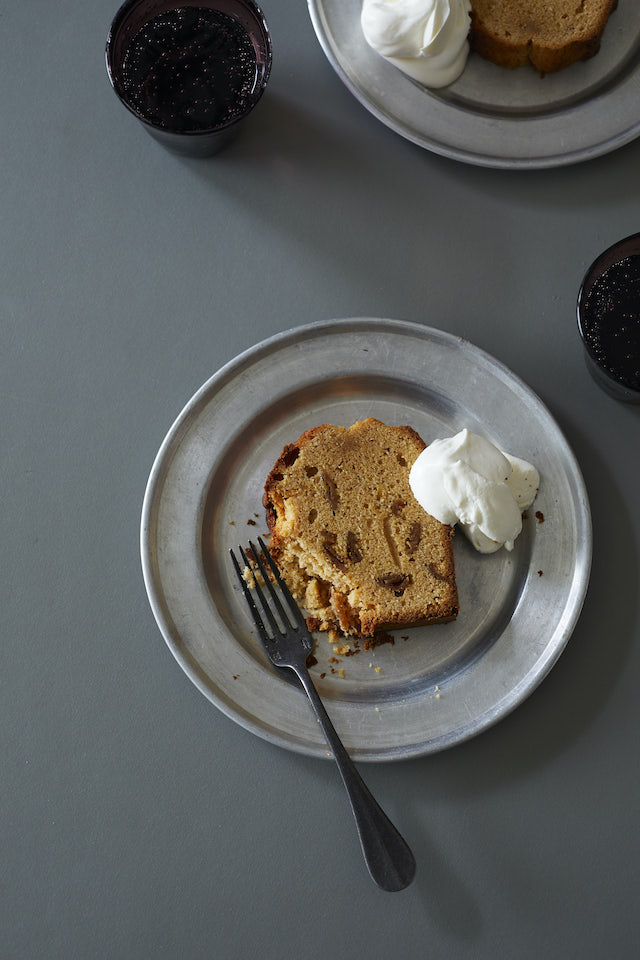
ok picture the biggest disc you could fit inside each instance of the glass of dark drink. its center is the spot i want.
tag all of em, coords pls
(609, 319)
(189, 70)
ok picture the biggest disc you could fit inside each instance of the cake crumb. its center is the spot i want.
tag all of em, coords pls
(369, 643)
(251, 573)
(378, 669)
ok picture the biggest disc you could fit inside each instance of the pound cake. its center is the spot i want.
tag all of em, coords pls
(355, 547)
(548, 34)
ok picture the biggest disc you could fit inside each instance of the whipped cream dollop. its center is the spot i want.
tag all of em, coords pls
(427, 39)
(467, 480)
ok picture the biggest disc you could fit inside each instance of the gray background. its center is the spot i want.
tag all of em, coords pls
(137, 821)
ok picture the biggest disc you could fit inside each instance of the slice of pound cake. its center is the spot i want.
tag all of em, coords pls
(548, 34)
(355, 547)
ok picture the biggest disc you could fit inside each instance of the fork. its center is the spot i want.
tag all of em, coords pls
(388, 857)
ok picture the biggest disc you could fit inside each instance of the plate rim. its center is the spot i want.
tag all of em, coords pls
(515, 697)
(628, 134)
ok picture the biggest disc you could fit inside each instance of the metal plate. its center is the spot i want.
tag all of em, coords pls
(444, 683)
(492, 116)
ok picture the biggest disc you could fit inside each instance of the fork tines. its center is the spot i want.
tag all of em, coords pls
(286, 625)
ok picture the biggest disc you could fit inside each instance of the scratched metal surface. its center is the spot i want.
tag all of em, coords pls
(444, 683)
(490, 116)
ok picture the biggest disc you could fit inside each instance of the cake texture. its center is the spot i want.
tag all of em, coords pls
(355, 547)
(548, 34)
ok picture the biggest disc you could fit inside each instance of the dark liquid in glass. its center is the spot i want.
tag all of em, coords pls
(190, 69)
(611, 321)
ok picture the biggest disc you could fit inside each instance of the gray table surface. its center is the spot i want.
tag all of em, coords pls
(138, 821)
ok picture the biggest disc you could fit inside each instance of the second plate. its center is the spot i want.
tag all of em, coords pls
(492, 116)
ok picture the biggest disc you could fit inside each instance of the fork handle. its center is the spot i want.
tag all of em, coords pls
(387, 855)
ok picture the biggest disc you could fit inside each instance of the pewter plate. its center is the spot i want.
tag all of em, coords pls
(492, 116)
(444, 683)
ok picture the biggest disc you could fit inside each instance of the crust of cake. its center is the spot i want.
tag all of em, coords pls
(547, 34)
(355, 547)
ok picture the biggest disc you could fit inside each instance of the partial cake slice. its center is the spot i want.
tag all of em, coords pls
(548, 34)
(354, 545)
